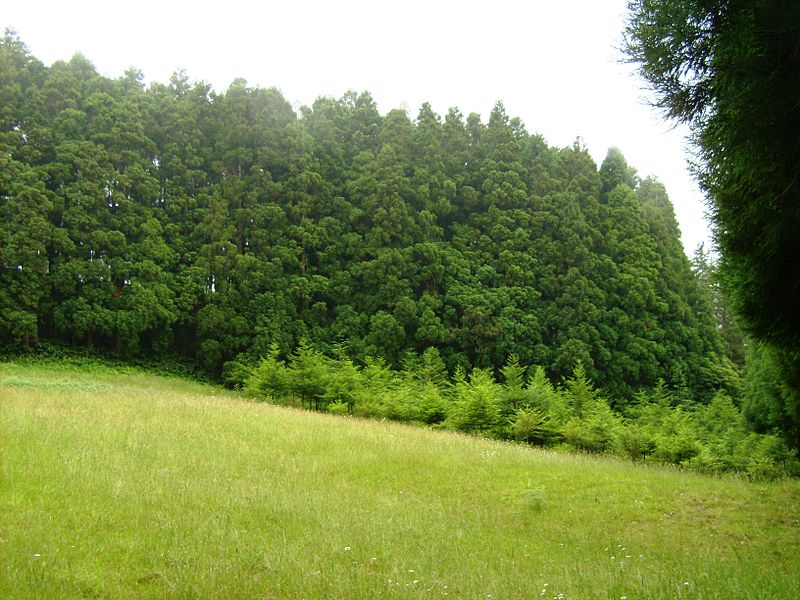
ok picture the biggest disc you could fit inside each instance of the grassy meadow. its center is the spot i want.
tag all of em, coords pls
(119, 484)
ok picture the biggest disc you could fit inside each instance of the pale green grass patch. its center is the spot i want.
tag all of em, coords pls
(134, 486)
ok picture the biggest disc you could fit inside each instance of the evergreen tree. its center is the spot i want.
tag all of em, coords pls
(731, 71)
(173, 219)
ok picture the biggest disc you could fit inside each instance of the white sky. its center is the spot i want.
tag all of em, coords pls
(553, 63)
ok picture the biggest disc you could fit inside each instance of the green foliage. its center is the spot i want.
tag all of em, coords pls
(596, 432)
(309, 376)
(664, 432)
(581, 395)
(731, 71)
(532, 427)
(635, 442)
(771, 403)
(342, 383)
(178, 224)
(514, 394)
(707, 271)
(476, 406)
(174, 220)
(544, 398)
(270, 378)
(677, 443)
(655, 427)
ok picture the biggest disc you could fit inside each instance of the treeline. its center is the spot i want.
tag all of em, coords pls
(525, 407)
(172, 220)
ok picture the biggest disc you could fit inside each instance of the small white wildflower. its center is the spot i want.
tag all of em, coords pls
(36, 555)
(686, 583)
(374, 558)
(347, 548)
(623, 598)
(411, 570)
(415, 581)
(613, 557)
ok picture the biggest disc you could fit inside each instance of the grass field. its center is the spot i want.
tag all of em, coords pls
(125, 485)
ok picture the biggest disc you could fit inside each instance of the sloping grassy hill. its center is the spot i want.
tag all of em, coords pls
(134, 486)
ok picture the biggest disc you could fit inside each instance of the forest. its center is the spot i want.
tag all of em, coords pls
(432, 269)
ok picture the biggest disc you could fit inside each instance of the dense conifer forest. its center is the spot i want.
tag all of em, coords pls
(173, 220)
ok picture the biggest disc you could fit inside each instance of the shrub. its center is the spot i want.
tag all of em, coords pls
(342, 383)
(677, 446)
(634, 442)
(476, 408)
(513, 396)
(530, 426)
(551, 403)
(432, 404)
(269, 380)
(309, 375)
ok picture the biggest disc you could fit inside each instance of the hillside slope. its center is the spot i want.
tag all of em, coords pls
(128, 485)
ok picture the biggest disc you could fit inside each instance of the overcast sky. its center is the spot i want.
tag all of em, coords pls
(554, 64)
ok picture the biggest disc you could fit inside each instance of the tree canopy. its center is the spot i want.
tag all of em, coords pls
(731, 71)
(172, 219)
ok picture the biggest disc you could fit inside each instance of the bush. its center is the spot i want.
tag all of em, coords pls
(542, 396)
(400, 404)
(432, 404)
(235, 373)
(587, 435)
(269, 380)
(342, 385)
(477, 405)
(634, 442)
(514, 396)
(678, 446)
(309, 375)
(530, 426)
(712, 438)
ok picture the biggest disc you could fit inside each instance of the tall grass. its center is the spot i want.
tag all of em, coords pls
(133, 486)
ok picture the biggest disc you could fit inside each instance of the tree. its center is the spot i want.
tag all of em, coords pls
(615, 171)
(476, 408)
(731, 72)
(770, 404)
(705, 268)
(172, 219)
